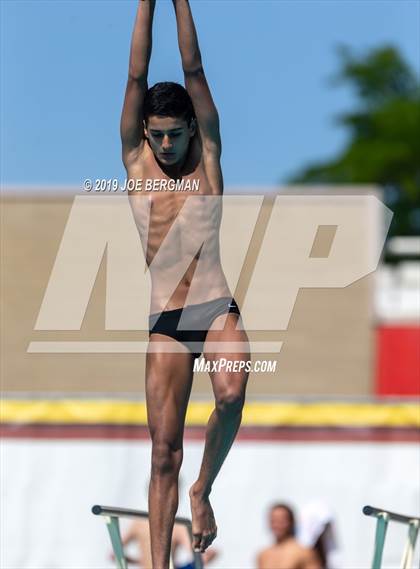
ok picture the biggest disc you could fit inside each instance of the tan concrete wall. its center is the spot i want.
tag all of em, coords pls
(328, 346)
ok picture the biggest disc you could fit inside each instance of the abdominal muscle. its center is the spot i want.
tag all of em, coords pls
(171, 232)
(189, 291)
(186, 269)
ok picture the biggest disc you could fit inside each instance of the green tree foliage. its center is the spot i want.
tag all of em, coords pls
(383, 134)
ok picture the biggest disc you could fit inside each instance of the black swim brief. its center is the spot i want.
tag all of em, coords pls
(196, 322)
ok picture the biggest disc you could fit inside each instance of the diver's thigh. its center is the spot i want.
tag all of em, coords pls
(168, 387)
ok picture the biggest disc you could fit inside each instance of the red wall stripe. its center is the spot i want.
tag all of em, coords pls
(398, 360)
(246, 433)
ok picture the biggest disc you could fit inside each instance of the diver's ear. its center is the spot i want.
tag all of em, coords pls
(146, 134)
(193, 127)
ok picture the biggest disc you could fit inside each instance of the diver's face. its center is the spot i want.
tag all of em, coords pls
(169, 138)
(280, 523)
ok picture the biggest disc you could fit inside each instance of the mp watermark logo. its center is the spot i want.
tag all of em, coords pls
(270, 246)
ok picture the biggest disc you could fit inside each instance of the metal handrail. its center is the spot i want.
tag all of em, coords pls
(383, 517)
(112, 516)
(371, 511)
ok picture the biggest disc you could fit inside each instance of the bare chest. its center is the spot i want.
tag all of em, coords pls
(282, 557)
(187, 205)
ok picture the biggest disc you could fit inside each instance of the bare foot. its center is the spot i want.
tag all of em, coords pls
(203, 522)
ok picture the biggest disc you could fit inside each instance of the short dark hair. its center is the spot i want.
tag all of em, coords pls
(290, 513)
(167, 99)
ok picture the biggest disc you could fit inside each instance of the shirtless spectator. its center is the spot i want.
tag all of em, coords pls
(138, 533)
(286, 553)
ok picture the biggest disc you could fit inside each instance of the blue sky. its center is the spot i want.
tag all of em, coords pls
(64, 66)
